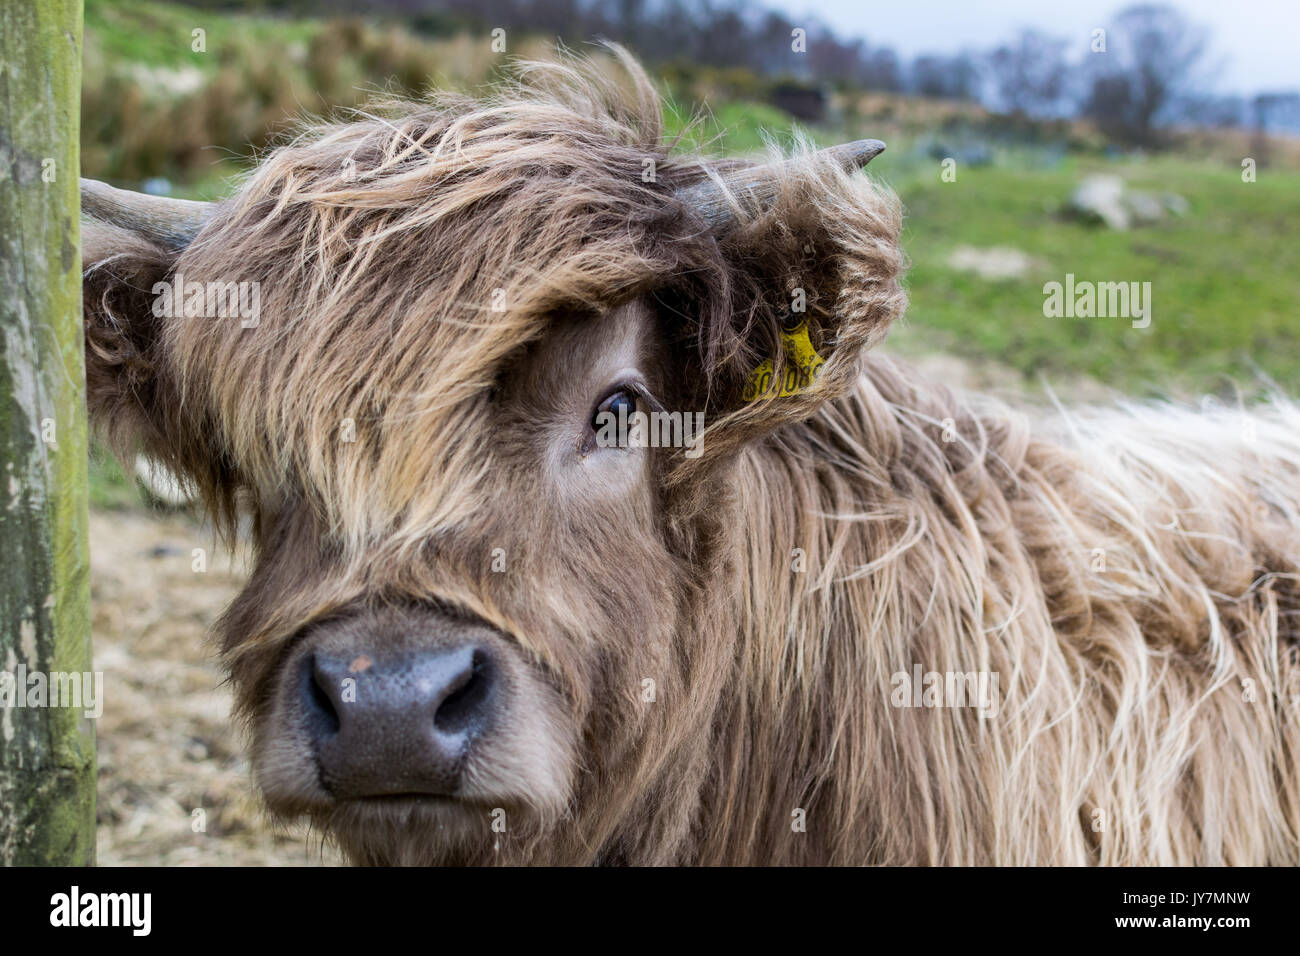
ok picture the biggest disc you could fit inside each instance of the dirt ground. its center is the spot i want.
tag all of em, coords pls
(166, 745)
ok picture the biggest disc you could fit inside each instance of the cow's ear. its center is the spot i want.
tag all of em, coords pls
(815, 273)
(124, 381)
(130, 244)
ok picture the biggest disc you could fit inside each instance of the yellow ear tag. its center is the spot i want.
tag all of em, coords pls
(802, 365)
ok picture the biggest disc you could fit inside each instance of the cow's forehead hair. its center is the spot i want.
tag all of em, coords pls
(443, 459)
(402, 261)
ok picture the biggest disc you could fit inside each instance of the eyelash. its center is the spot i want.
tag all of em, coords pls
(610, 396)
(634, 390)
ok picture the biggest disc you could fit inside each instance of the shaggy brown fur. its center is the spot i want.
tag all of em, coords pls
(443, 279)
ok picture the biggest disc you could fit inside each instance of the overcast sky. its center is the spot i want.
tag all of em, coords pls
(1256, 41)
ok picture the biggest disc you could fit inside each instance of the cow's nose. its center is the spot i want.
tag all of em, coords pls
(397, 725)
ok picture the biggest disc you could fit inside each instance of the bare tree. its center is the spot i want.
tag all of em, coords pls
(947, 77)
(1150, 62)
(1030, 74)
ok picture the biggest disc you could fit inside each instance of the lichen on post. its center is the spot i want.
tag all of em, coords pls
(47, 753)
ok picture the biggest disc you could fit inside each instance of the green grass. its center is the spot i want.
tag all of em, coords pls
(733, 127)
(158, 34)
(1225, 280)
(110, 487)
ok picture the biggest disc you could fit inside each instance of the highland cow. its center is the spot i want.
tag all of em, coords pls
(475, 634)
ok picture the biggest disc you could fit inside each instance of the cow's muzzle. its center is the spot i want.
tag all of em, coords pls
(388, 724)
(412, 704)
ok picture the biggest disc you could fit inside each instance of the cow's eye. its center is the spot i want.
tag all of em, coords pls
(611, 420)
(613, 424)
(620, 403)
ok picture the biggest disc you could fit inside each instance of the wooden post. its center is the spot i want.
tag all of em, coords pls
(47, 753)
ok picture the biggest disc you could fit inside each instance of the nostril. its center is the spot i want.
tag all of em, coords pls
(322, 715)
(462, 707)
(384, 724)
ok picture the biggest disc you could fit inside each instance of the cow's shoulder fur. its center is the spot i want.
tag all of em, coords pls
(1129, 574)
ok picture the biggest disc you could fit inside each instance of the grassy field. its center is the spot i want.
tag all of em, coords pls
(1225, 279)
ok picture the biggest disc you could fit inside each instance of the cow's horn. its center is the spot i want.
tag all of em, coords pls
(758, 185)
(169, 222)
